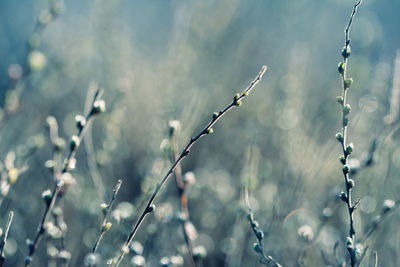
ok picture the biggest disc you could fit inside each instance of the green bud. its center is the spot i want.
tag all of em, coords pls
(257, 248)
(254, 224)
(349, 148)
(99, 106)
(80, 121)
(342, 159)
(346, 169)
(238, 103)
(349, 242)
(348, 83)
(47, 196)
(346, 109)
(339, 99)
(260, 234)
(151, 208)
(106, 226)
(350, 184)
(246, 93)
(74, 142)
(215, 115)
(341, 67)
(209, 131)
(346, 51)
(103, 208)
(236, 97)
(343, 196)
(339, 137)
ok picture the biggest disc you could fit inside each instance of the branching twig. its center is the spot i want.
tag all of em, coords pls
(106, 208)
(3, 240)
(258, 247)
(98, 107)
(341, 137)
(237, 101)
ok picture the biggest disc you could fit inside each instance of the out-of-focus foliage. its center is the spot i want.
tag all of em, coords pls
(182, 60)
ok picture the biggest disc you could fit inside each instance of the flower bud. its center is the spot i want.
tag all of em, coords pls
(346, 110)
(346, 51)
(209, 131)
(99, 106)
(339, 99)
(349, 242)
(257, 248)
(350, 184)
(348, 83)
(388, 204)
(215, 115)
(74, 142)
(151, 208)
(106, 227)
(342, 159)
(103, 208)
(339, 137)
(349, 148)
(47, 196)
(343, 196)
(346, 169)
(259, 234)
(341, 67)
(80, 121)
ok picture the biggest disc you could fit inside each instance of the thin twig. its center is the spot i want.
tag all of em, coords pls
(347, 149)
(69, 164)
(237, 101)
(105, 226)
(3, 240)
(258, 247)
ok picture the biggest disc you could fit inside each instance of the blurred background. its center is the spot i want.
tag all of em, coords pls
(182, 60)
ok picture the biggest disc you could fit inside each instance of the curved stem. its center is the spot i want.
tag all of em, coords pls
(185, 152)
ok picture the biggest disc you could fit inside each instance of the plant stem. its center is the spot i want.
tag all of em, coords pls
(3, 240)
(206, 130)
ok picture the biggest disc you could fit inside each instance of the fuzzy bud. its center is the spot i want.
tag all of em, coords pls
(349, 148)
(350, 184)
(339, 137)
(346, 169)
(103, 208)
(74, 142)
(346, 51)
(260, 234)
(257, 248)
(99, 106)
(343, 196)
(47, 196)
(151, 208)
(341, 67)
(346, 109)
(106, 226)
(388, 204)
(342, 159)
(80, 121)
(348, 83)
